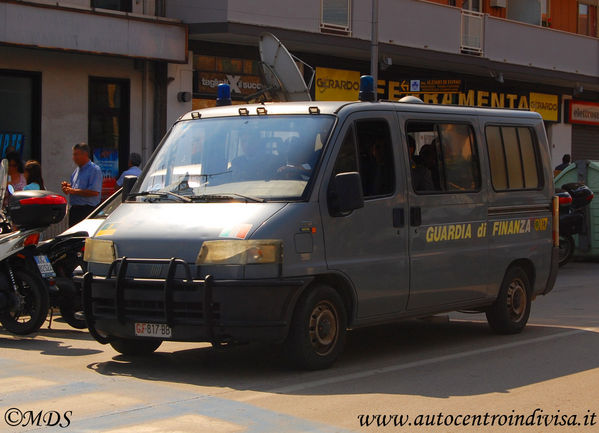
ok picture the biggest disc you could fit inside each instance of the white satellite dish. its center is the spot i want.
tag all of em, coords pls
(282, 76)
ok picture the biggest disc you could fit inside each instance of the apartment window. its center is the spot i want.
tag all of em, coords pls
(546, 13)
(116, 5)
(472, 5)
(587, 19)
(513, 158)
(443, 158)
(336, 16)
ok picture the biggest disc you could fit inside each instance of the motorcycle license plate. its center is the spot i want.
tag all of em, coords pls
(159, 330)
(45, 267)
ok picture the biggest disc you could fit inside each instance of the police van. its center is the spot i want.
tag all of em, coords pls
(295, 222)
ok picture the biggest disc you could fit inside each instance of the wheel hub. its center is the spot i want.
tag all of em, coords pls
(323, 328)
(517, 300)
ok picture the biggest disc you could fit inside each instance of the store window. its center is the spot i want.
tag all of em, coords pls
(587, 19)
(546, 13)
(513, 158)
(116, 5)
(108, 128)
(336, 15)
(20, 113)
(443, 158)
(243, 75)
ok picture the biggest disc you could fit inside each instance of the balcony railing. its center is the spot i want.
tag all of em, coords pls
(473, 32)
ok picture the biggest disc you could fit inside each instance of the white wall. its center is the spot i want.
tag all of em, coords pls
(560, 139)
(182, 81)
(65, 85)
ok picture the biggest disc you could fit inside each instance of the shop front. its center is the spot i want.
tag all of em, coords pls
(584, 117)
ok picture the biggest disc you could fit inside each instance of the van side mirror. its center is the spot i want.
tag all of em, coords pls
(128, 182)
(345, 194)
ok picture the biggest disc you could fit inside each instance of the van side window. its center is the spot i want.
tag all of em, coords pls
(443, 157)
(375, 155)
(513, 158)
(346, 159)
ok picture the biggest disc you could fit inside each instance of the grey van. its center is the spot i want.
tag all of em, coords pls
(293, 222)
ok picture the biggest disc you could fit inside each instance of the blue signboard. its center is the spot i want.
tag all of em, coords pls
(10, 141)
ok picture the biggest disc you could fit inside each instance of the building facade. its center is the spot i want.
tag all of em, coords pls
(108, 72)
(541, 55)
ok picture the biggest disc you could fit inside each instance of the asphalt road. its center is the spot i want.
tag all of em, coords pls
(440, 371)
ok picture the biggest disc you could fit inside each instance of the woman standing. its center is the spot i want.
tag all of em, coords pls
(15, 171)
(33, 174)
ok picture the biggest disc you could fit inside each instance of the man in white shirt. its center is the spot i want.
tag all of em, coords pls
(133, 170)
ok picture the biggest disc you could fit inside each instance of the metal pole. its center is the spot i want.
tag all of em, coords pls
(374, 46)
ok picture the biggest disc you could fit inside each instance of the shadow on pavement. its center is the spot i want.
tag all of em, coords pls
(506, 362)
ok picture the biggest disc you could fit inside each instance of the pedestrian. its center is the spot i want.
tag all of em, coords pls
(563, 165)
(133, 170)
(85, 186)
(33, 174)
(15, 171)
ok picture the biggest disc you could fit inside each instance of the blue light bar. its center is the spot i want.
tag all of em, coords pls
(223, 95)
(367, 88)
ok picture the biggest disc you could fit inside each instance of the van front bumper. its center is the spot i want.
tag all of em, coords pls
(206, 310)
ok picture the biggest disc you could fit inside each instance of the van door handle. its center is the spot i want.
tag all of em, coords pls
(415, 216)
(399, 218)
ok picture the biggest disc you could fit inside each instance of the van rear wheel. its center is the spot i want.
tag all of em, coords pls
(509, 314)
(318, 329)
(128, 346)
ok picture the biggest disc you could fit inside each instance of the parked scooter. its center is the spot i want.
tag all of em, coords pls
(573, 199)
(24, 300)
(65, 254)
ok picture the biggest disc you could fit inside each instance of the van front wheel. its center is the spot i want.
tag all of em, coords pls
(132, 347)
(317, 332)
(509, 314)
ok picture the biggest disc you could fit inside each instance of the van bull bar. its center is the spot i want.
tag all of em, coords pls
(210, 310)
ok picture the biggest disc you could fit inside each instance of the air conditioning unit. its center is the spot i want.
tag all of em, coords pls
(498, 3)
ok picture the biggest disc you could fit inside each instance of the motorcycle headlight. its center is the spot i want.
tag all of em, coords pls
(99, 251)
(240, 252)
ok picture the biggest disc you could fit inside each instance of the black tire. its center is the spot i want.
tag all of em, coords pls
(128, 346)
(566, 249)
(68, 312)
(318, 329)
(33, 304)
(509, 314)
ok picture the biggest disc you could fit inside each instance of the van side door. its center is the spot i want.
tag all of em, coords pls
(369, 245)
(448, 212)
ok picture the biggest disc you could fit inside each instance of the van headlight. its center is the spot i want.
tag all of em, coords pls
(99, 251)
(240, 252)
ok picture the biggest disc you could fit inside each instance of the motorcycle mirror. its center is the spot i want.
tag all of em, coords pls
(11, 189)
(3, 179)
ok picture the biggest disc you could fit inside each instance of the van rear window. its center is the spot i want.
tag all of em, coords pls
(513, 158)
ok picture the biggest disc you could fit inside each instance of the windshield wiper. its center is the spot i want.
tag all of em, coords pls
(161, 194)
(227, 196)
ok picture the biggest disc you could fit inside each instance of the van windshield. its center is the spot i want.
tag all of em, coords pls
(255, 158)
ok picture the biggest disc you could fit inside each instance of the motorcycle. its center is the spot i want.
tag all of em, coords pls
(65, 254)
(573, 199)
(24, 299)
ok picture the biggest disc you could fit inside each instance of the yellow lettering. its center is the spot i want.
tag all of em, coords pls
(451, 233)
(447, 99)
(482, 99)
(430, 98)
(497, 100)
(430, 234)
(517, 226)
(467, 99)
(468, 234)
(495, 228)
(394, 90)
(512, 100)
(523, 102)
(443, 233)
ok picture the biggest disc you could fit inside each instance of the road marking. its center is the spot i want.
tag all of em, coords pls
(408, 365)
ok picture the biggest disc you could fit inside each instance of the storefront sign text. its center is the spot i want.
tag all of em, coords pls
(337, 85)
(583, 112)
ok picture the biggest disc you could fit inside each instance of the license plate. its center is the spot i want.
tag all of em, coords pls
(159, 330)
(45, 267)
